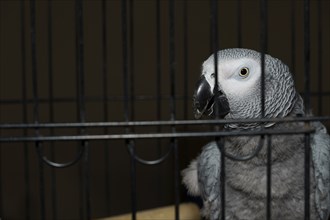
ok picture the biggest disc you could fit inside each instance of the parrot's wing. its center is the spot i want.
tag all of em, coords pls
(209, 167)
(321, 161)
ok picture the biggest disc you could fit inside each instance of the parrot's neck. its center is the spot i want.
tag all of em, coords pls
(295, 108)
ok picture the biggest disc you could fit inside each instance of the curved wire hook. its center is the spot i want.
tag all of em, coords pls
(148, 162)
(60, 165)
(243, 158)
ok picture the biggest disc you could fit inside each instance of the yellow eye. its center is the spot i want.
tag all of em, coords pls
(244, 72)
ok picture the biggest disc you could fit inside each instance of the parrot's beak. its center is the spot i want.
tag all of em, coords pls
(208, 103)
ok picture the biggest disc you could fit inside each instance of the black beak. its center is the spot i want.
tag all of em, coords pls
(207, 102)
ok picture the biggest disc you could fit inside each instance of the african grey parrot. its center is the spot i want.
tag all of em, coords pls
(239, 86)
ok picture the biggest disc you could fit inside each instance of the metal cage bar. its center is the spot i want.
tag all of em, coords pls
(172, 71)
(307, 100)
(239, 23)
(214, 48)
(104, 78)
(24, 112)
(319, 54)
(85, 206)
(51, 107)
(32, 132)
(293, 37)
(36, 104)
(264, 50)
(127, 104)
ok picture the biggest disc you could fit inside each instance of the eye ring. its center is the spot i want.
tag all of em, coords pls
(244, 72)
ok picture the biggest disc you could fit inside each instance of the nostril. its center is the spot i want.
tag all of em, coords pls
(217, 92)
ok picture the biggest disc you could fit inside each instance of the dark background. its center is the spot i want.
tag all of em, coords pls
(154, 183)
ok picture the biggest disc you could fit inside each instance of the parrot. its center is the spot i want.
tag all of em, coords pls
(238, 96)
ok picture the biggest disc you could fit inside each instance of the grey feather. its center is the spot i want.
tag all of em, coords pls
(246, 181)
(320, 156)
(190, 178)
(208, 180)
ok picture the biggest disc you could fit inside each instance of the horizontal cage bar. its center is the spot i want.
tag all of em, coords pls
(157, 135)
(159, 123)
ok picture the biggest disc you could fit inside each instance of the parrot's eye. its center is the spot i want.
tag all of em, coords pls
(213, 75)
(244, 72)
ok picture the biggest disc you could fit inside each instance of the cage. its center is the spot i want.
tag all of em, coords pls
(95, 96)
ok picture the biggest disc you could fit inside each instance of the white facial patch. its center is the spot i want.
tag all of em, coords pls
(230, 79)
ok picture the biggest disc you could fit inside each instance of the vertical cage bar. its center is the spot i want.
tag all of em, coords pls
(86, 172)
(81, 195)
(185, 68)
(320, 62)
(130, 98)
(36, 104)
(80, 61)
(264, 48)
(125, 58)
(127, 109)
(104, 77)
(222, 180)
(51, 107)
(269, 177)
(127, 99)
(130, 145)
(172, 58)
(34, 61)
(185, 60)
(215, 44)
(81, 108)
(307, 177)
(171, 11)
(307, 104)
(220, 143)
(307, 55)
(1, 192)
(24, 114)
(158, 91)
(211, 27)
(1, 189)
(1, 182)
(158, 63)
(131, 58)
(293, 37)
(239, 23)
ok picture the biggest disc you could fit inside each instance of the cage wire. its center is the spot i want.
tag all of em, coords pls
(95, 97)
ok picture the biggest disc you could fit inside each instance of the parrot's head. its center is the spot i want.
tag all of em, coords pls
(238, 94)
